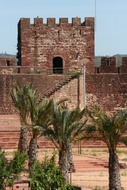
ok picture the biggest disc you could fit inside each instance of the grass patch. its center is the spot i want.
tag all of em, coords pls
(94, 154)
(124, 159)
(124, 173)
(105, 150)
(96, 188)
(100, 153)
(121, 151)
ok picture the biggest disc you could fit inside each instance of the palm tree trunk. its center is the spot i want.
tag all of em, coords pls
(63, 162)
(71, 166)
(23, 140)
(32, 151)
(114, 171)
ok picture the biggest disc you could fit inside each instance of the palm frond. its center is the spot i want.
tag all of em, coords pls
(109, 129)
(19, 97)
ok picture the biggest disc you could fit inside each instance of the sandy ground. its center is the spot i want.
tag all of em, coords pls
(92, 173)
(91, 169)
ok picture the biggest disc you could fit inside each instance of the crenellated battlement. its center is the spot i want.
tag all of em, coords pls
(111, 65)
(88, 21)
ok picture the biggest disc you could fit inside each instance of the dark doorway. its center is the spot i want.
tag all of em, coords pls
(97, 70)
(57, 65)
(8, 63)
(119, 70)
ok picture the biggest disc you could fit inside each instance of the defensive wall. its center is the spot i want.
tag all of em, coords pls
(7, 62)
(108, 85)
(106, 88)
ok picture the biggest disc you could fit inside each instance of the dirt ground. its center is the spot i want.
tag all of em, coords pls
(91, 168)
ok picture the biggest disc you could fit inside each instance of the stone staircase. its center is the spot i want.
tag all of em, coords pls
(9, 140)
(10, 131)
(57, 84)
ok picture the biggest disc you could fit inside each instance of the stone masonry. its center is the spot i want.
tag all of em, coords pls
(58, 58)
(45, 44)
(108, 85)
(7, 65)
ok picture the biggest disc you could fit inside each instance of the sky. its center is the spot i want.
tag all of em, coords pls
(110, 20)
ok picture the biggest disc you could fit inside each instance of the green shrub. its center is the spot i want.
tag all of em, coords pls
(17, 164)
(3, 169)
(10, 170)
(47, 175)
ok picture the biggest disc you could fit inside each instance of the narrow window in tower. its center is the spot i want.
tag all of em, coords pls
(57, 65)
(119, 70)
(98, 69)
(8, 63)
(108, 63)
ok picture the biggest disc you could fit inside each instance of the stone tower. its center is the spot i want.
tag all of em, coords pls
(56, 48)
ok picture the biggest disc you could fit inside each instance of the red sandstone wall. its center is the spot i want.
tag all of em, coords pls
(7, 65)
(112, 65)
(108, 65)
(39, 43)
(7, 82)
(107, 90)
(71, 89)
(124, 65)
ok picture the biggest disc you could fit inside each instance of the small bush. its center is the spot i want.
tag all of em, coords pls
(47, 175)
(3, 169)
(10, 170)
(17, 164)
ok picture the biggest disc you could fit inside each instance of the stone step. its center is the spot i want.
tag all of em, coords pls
(10, 132)
(9, 123)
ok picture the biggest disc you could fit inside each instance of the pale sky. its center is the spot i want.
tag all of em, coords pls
(111, 20)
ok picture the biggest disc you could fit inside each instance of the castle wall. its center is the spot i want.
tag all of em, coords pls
(71, 90)
(7, 65)
(39, 43)
(107, 90)
(108, 65)
(112, 65)
(7, 82)
(124, 65)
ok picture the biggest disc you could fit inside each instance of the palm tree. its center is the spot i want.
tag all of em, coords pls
(65, 126)
(111, 130)
(20, 100)
(38, 112)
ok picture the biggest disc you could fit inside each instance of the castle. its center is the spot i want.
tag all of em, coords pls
(58, 58)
